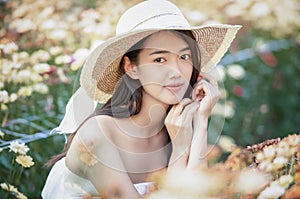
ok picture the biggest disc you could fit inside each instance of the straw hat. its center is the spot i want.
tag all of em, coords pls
(100, 74)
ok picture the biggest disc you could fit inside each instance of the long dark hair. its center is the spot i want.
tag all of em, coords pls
(127, 97)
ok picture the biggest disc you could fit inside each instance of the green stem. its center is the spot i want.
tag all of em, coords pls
(12, 170)
(292, 166)
(18, 176)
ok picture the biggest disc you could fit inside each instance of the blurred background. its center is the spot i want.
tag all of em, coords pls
(43, 45)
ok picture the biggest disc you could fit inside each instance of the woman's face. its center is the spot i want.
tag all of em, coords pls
(165, 67)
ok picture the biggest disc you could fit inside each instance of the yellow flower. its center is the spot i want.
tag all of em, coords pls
(3, 96)
(9, 48)
(41, 67)
(3, 107)
(41, 88)
(8, 187)
(13, 97)
(88, 159)
(11, 188)
(1, 134)
(25, 160)
(285, 181)
(4, 186)
(21, 196)
(25, 91)
(283, 149)
(269, 152)
(86, 155)
(293, 140)
(266, 165)
(274, 191)
(250, 181)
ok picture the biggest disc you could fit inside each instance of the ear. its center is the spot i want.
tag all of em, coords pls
(130, 68)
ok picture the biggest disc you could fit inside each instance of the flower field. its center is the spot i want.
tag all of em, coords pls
(254, 128)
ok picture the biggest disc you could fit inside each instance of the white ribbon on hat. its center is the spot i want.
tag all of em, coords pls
(78, 108)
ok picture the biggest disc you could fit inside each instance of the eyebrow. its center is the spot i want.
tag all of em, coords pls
(166, 51)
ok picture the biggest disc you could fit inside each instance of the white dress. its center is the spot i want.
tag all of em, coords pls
(64, 184)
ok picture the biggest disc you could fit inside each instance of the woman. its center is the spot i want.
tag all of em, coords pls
(158, 114)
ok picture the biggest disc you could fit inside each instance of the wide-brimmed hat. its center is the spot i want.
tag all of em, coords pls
(100, 73)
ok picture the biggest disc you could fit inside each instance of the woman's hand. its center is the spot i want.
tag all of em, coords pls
(206, 93)
(179, 125)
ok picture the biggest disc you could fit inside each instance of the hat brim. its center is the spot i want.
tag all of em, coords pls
(100, 73)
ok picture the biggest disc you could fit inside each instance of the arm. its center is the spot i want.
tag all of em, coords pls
(179, 125)
(207, 94)
(198, 152)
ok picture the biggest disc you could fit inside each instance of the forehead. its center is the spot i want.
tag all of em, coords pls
(165, 40)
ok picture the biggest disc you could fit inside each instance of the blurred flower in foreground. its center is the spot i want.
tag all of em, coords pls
(274, 191)
(240, 176)
(250, 181)
(195, 183)
(226, 143)
(276, 156)
(277, 188)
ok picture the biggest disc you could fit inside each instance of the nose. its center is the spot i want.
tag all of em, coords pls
(174, 69)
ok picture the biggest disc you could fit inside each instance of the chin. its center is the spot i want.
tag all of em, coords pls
(173, 100)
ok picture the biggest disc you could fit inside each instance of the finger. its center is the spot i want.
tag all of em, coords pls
(204, 89)
(197, 91)
(179, 107)
(198, 95)
(200, 90)
(188, 112)
(176, 110)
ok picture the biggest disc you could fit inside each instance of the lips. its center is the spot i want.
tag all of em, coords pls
(174, 87)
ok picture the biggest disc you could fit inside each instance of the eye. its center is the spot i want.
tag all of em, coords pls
(160, 60)
(185, 57)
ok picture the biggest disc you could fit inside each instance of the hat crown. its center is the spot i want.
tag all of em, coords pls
(151, 14)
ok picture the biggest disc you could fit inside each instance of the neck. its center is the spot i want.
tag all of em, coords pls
(149, 121)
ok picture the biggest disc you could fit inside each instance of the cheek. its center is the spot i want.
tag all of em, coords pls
(152, 75)
(186, 72)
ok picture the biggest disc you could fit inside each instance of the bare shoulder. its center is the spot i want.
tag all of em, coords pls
(92, 138)
(93, 155)
(96, 127)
